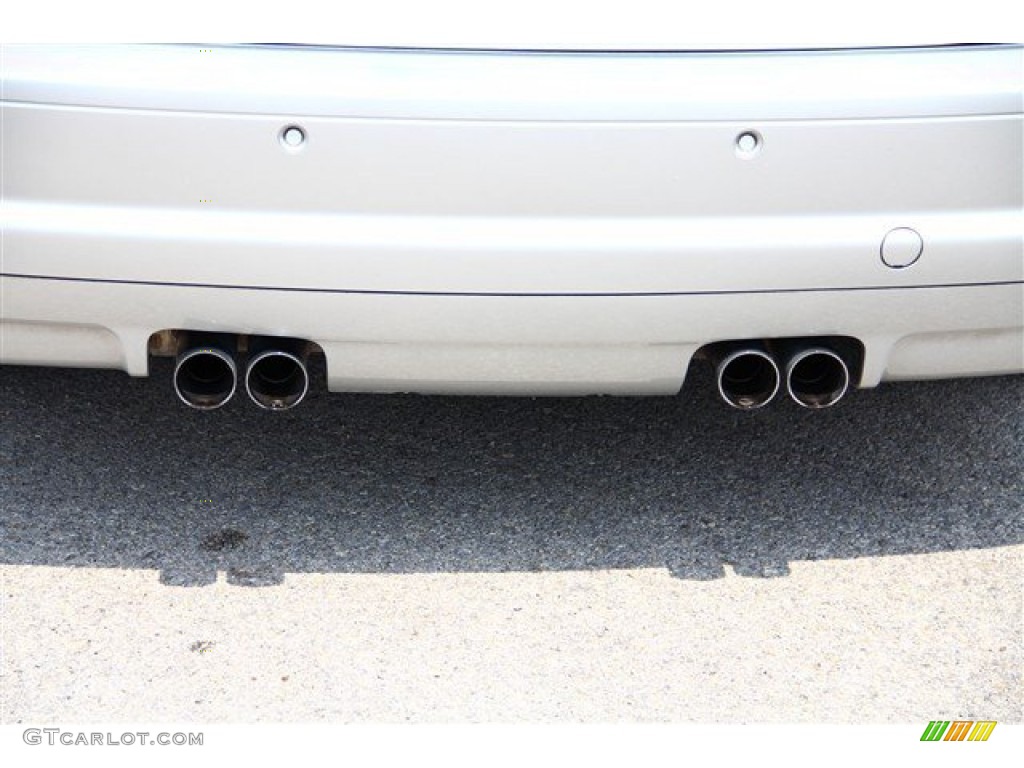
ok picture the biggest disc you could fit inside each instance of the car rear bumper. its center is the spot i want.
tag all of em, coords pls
(515, 223)
(519, 344)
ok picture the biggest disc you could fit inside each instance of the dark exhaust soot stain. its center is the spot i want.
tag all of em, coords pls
(227, 538)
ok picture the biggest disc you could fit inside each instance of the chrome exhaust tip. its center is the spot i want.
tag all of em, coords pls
(277, 379)
(205, 377)
(748, 379)
(817, 377)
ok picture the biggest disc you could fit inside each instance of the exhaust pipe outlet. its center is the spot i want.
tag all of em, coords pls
(205, 376)
(817, 377)
(277, 379)
(748, 379)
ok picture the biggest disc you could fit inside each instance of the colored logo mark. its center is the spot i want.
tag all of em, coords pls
(958, 730)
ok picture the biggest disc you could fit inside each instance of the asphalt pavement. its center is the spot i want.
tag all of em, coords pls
(397, 558)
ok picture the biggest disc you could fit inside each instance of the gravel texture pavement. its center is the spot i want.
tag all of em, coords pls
(394, 558)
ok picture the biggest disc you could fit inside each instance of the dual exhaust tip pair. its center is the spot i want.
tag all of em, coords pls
(276, 377)
(814, 377)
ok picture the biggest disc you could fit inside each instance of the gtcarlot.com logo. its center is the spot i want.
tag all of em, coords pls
(55, 736)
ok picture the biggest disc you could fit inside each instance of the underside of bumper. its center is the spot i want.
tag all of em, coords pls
(513, 223)
(520, 344)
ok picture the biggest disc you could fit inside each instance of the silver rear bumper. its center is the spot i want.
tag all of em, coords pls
(515, 223)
